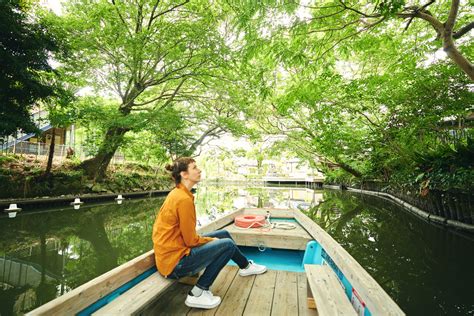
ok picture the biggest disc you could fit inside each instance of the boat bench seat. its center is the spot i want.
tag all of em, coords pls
(325, 292)
(138, 297)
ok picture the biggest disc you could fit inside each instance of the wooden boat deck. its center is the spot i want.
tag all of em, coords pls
(271, 293)
(295, 239)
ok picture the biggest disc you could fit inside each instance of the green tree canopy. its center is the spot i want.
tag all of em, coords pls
(147, 56)
(25, 46)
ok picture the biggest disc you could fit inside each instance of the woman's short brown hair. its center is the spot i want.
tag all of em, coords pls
(180, 164)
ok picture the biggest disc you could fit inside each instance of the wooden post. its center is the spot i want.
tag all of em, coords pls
(14, 143)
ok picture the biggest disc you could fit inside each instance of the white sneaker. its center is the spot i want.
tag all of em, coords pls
(205, 300)
(252, 269)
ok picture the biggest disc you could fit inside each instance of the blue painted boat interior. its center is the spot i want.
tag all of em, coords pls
(274, 259)
(282, 219)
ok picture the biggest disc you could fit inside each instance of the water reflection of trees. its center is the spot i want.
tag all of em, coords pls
(85, 244)
(333, 210)
(230, 197)
(209, 197)
(415, 262)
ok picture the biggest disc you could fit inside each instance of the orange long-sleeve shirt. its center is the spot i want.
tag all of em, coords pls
(174, 231)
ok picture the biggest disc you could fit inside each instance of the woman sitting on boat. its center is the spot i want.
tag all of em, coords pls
(180, 251)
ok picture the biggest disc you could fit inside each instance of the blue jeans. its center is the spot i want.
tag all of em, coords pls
(213, 256)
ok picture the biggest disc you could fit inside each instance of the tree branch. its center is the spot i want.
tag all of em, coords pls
(334, 29)
(453, 13)
(416, 10)
(349, 36)
(173, 95)
(437, 25)
(153, 17)
(209, 132)
(462, 31)
(138, 24)
(150, 21)
(359, 12)
(327, 15)
(122, 19)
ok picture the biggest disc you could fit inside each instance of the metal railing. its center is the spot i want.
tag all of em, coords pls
(61, 152)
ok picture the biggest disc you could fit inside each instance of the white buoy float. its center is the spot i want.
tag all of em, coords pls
(77, 203)
(119, 199)
(12, 210)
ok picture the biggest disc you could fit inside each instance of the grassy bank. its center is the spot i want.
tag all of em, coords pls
(24, 177)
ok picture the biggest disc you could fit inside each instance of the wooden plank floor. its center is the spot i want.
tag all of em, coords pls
(271, 293)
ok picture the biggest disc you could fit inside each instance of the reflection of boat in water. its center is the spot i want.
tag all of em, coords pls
(296, 257)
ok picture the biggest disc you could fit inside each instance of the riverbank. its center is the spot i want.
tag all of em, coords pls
(43, 202)
(23, 177)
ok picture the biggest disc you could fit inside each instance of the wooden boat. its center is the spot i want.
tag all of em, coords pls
(330, 280)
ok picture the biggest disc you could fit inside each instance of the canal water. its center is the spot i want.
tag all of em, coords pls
(427, 270)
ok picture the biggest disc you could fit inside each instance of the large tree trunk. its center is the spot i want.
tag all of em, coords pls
(96, 167)
(49, 165)
(457, 57)
(92, 229)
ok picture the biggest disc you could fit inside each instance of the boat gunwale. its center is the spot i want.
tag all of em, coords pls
(93, 290)
(374, 296)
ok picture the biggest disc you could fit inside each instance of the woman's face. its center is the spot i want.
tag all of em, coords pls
(193, 173)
